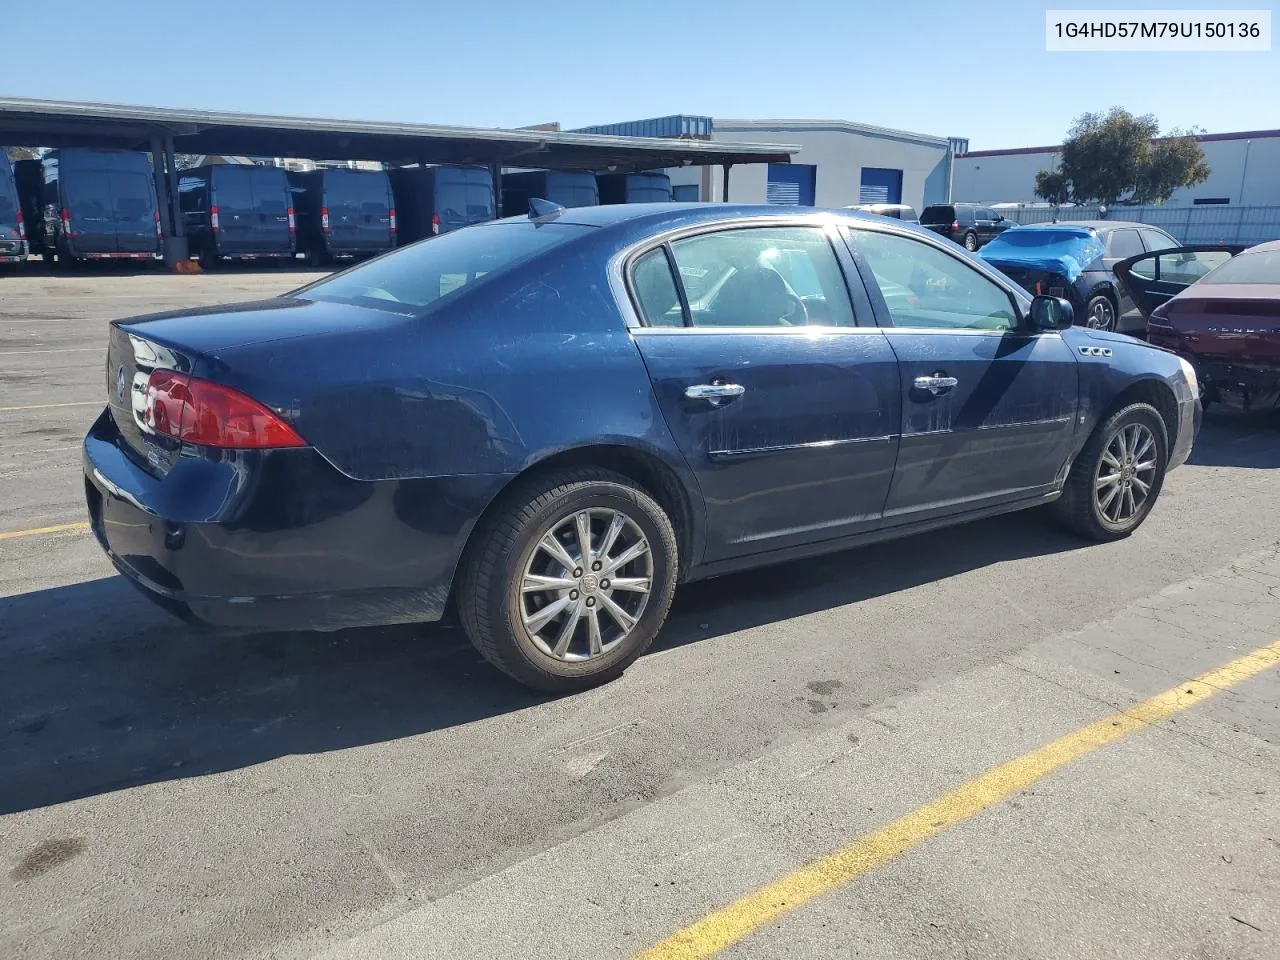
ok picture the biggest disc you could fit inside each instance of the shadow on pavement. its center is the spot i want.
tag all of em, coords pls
(1230, 438)
(100, 691)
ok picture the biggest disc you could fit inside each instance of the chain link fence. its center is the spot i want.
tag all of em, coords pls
(1190, 225)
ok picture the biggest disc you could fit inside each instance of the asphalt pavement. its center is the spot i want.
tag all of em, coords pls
(940, 747)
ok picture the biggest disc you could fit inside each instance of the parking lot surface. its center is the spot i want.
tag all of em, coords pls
(952, 721)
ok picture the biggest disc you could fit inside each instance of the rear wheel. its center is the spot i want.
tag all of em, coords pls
(1118, 476)
(207, 259)
(570, 581)
(971, 241)
(316, 258)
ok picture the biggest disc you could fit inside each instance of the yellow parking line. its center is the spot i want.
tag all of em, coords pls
(730, 924)
(37, 531)
(49, 406)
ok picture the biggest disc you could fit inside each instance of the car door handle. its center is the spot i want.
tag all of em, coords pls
(714, 391)
(934, 384)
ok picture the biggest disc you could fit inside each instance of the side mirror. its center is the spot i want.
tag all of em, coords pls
(1051, 313)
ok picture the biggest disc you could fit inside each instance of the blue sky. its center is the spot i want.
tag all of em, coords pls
(948, 68)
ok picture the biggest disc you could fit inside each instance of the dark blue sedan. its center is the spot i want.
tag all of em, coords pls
(545, 423)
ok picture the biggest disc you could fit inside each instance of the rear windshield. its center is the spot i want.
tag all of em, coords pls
(355, 193)
(232, 190)
(1260, 267)
(417, 276)
(938, 214)
(132, 194)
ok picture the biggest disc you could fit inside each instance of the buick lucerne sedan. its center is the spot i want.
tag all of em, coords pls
(542, 424)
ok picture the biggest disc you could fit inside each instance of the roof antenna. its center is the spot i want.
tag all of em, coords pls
(543, 211)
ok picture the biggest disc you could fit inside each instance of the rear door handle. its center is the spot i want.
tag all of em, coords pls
(715, 392)
(935, 384)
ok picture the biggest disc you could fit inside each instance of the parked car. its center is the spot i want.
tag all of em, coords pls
(566, 188)
(1220, 312)
(435, 200)
(13, 230)
(899, 211)
(342, 214)
(237, 212)
(91, 205)
(967, 224)
(511, 422)
(634, 187)
(1075, 261)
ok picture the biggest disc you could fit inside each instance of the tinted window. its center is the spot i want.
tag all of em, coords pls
(1260, 267)
(984, 213)
(459, 202)
(907, 213)
(88, 194)
(270, 194)
(1180, 267)
(763, 277)
(131, 194)
(232, 190)
(1155, 240)
(1124, 244)
(418, 275)
(656, 293)
(925, 287)
(938, 214)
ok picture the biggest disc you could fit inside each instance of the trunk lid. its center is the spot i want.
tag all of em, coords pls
(1239, 323)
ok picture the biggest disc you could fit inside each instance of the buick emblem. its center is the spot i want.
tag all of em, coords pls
(121, 382)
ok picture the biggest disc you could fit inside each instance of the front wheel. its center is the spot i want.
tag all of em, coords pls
(570, 581)
(1101, 313)
(971, 242)
(1118, 476)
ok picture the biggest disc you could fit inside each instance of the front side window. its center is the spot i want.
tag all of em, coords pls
(1155, 240)
(763, 277)
(1124, 244)
(926, 287)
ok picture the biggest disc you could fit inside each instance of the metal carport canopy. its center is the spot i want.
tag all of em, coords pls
(51, 123)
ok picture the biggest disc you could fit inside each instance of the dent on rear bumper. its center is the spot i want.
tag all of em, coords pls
(280, 539)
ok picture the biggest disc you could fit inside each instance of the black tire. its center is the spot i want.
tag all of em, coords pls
(489, 601)
(1078, 509)
(317, 259)
(971, 241)
(1101, 313)
(207, 259)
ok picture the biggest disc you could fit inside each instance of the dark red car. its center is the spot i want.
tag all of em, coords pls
(1220, 308)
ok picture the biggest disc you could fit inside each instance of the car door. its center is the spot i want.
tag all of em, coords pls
(786, 409)
(1150, 279)
(985, 220)
(233, 200)
(988, 406)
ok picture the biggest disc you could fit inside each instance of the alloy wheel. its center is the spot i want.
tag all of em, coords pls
(586, 584)
(1102, 316)
(1126, 473)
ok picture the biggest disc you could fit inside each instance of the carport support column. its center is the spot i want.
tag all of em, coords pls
(495, 171)
(162, 186)
(175, 244)
(725, 182)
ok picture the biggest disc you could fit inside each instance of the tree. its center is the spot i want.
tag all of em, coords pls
(23, 153)
(1112, 158)
(185, 161)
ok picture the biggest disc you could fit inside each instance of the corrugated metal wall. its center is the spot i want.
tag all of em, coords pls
(676, 126)
(791, 184)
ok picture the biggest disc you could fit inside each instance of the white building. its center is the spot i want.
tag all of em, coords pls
(1244, 171)
(838, 163)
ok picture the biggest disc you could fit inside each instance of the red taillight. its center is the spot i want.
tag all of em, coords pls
(66, 223)
(22, 228)
(211, 415)
(955, 224)
(435, 223)
(393, 219)
(324, 219)
(1037, 288)
(213, 219)
(292, 225)
(159, 234)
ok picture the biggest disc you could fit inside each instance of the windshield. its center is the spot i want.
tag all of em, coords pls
(416, 276)
(1260, 267)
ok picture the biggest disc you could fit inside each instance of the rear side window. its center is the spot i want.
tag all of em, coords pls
(417, 276)
(656, 293)
(1124, 244)
(763, 277)
(938, 214)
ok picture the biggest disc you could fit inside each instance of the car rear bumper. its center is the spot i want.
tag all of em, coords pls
(275, 540)
(1242, 386)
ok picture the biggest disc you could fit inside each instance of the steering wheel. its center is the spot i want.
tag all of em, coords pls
(798, 315)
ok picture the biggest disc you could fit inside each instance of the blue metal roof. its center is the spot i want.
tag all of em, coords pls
(675, 126)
